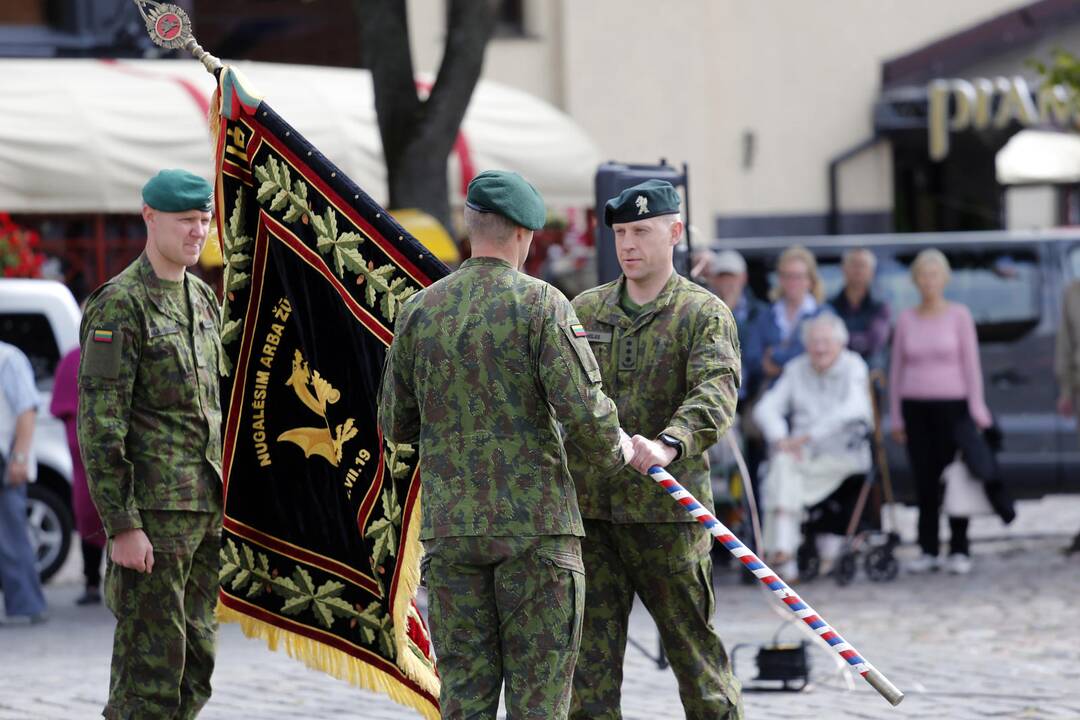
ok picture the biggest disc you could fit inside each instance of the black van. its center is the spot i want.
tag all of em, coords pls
(1012, 282)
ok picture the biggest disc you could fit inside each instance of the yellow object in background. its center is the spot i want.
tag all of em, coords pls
(210, 257)
(430, 233)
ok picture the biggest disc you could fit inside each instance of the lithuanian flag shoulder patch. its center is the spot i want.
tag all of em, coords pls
(102, 335)
(578, 330)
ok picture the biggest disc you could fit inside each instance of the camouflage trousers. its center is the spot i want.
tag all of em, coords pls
(505, 609)
(163, 649)
(668, 566)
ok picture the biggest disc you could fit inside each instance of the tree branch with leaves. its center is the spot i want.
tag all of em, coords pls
(418, 134)
(1064, 70)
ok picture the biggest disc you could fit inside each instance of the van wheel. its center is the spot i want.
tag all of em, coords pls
(50, 527)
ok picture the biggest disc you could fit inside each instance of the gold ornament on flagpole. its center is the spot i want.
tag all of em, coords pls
(169, 27)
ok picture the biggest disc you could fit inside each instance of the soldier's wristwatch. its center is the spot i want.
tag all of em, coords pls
(672, 442)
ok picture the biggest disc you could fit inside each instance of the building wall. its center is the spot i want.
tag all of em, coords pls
(803, 78)
(531, 63)
(637, 81)
(756, 96)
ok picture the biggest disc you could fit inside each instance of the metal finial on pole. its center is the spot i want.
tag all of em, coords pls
(170, 27)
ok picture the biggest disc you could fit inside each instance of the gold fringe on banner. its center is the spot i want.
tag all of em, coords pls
(214, 117)
(332, 661)
(408, 581)
(324, 658)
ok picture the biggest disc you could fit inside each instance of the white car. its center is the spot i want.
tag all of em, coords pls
(41, 318)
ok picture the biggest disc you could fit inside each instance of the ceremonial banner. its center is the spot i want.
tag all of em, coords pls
(320, 551)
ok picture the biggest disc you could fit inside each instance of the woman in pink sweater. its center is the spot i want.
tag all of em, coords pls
(935, 386)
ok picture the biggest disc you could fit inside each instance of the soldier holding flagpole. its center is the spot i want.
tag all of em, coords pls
(668, 352)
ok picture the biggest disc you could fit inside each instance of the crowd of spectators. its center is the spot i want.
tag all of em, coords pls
(812, 370)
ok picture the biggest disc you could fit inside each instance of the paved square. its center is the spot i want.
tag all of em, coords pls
(1002, 642)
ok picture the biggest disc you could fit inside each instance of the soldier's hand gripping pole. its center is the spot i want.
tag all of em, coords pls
(781, 589)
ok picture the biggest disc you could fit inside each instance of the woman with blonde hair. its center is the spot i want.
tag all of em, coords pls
(796, 298)
(935, 392)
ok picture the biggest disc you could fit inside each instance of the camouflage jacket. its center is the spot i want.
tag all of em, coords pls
(484, 365)
(149, 420)
(674, 369)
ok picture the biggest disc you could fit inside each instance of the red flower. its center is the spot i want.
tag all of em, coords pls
(17, 257)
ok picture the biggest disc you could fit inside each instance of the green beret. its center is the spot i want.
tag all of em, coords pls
(644, 200)
(178, 191)
(507, 194)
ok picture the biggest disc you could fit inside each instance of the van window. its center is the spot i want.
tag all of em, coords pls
(999, 287)
(32, 333)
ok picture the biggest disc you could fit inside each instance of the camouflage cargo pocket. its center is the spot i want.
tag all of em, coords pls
(705, 575)
(682, 545)
(562, 564)
(166, 374)
(118, 584)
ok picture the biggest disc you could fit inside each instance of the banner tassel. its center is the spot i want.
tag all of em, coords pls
(323, 658)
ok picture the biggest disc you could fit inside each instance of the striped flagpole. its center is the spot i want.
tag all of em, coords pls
(779, 588)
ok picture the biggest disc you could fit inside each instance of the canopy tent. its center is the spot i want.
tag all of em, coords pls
(84, 135)
(1039, 157)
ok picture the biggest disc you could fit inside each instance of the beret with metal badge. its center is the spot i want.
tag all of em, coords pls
(644, 200)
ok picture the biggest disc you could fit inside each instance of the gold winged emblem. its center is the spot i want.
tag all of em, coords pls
(315, 440)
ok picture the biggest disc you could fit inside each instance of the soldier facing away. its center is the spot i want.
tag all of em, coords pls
(484, 365)
(668, 353)
(150, 430)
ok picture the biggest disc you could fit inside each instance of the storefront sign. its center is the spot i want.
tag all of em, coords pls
(982, 103)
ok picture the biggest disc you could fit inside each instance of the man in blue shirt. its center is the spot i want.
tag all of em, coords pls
(726, 274)
(866, 317)
(23, 598)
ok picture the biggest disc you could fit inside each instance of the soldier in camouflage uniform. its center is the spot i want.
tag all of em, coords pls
(150, 430)
(668, 353)
(483, 364)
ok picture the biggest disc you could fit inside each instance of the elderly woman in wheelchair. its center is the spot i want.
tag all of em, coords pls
(817, 420)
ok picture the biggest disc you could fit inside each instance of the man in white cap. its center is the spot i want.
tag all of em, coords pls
(725, 271)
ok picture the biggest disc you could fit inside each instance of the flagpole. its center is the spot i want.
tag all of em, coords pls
(169, 27)
(779, 588)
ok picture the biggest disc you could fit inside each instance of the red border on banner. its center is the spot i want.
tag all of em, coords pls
(364, 510)
(295, 552)
(288, 238)
(406, 515)
(236, 403)
(342, 205)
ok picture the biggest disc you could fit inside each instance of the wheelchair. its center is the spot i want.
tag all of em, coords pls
(844, 512)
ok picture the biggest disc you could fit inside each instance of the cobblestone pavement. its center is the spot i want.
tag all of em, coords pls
(1003, 642)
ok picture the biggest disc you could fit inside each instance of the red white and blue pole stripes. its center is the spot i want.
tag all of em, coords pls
(781, 589)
